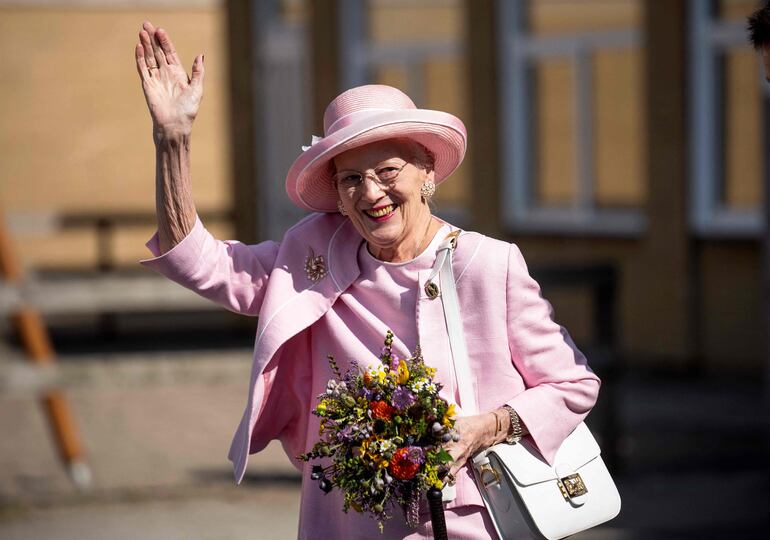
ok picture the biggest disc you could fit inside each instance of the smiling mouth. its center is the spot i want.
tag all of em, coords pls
(381, 212)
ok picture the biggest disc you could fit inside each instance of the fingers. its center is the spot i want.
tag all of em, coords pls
(149, 56)
(198, 71)
(155, 48)
(457, 454)
(141, 64)
(166, 46)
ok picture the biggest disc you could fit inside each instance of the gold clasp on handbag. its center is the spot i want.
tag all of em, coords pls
(489, 475)
(572, 486)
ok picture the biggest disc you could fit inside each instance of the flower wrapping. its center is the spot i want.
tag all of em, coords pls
(382, 433)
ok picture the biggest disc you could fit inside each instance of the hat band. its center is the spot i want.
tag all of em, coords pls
(350, 118)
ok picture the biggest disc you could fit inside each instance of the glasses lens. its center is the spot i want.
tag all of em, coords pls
(388, 174)
(349, 179)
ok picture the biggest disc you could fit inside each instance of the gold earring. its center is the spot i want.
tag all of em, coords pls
(427, 190)
(341, 208)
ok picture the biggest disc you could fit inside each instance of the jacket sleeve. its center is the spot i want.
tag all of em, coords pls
(561, 388)
(230, 273)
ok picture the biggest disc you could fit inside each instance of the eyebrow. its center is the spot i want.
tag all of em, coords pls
(378, 165)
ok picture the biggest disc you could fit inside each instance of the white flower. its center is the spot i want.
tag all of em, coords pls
(314, 139)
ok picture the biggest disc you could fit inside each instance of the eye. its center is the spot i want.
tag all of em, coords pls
(349, 179)
(388, 173)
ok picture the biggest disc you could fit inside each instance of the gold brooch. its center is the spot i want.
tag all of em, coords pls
(431, 289)
(315, 267)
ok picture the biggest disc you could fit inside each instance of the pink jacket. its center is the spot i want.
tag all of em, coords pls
(518, 354)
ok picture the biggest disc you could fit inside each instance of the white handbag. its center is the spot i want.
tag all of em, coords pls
(525, 496)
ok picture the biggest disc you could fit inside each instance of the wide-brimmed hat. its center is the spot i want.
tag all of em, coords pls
(364, 115)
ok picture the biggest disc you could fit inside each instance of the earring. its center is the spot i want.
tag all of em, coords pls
(341, 208)
(427, 190)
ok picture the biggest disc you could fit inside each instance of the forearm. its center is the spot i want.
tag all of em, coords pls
(479, 432)
(174, 204)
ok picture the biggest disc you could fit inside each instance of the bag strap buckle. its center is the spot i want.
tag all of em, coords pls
(489, 475)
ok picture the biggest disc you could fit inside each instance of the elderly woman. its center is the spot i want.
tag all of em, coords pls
(354, 268)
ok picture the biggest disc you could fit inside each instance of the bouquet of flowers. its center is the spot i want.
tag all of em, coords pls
(383, 428)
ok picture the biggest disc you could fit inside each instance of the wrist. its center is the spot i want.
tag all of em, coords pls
(515, 428)
(170, 135)
(500, 428)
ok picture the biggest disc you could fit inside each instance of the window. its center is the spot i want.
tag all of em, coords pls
(726, 121)
(573, 133)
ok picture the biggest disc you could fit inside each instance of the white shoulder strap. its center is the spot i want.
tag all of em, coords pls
(448, 293)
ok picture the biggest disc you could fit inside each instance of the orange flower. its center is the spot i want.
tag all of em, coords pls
(381, 410)
(401, 466)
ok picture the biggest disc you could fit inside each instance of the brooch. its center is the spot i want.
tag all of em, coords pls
(315, 267)
(431, 289)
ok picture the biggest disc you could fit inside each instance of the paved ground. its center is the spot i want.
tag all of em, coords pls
(693, 458)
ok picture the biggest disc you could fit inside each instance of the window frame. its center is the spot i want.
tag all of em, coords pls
(709, 38)
(519, 50)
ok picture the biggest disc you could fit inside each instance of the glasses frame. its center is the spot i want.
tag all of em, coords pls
(364, 174)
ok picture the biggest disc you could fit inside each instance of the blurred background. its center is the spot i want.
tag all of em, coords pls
(622, 144)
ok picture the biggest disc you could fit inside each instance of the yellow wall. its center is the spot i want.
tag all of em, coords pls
(75, 134)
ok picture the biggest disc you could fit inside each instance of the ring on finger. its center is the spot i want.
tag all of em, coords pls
(449, 479)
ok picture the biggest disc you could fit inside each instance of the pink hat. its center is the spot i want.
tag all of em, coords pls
(364, 115)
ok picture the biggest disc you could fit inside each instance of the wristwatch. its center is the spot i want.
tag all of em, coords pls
(514, 434)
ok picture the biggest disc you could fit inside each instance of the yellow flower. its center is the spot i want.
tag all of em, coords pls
(450, 413)
(403, 372)
(433, 480)
(321, 408)
(381, 375)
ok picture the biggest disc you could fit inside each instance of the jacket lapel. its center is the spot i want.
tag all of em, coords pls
(294, 301)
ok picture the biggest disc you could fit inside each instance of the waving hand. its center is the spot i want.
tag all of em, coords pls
(172, 97)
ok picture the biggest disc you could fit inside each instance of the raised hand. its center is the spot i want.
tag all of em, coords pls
(172, 97)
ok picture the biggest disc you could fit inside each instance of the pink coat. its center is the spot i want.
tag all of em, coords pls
(518, 354)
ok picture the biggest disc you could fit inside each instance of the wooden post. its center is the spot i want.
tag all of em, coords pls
(37, 345)
(483, 122)
(668, 248)
(244, 157)
(325, 67)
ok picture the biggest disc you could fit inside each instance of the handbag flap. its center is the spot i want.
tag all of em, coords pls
(527, 466)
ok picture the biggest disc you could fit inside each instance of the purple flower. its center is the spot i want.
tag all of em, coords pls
(402, 398)
(416, 455)
(345, 434)
(394, 360)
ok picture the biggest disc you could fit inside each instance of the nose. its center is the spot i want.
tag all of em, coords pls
(371, 190)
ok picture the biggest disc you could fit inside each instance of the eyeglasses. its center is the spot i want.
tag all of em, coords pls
(385, 176)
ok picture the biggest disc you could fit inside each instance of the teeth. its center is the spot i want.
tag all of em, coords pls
(384, 211)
